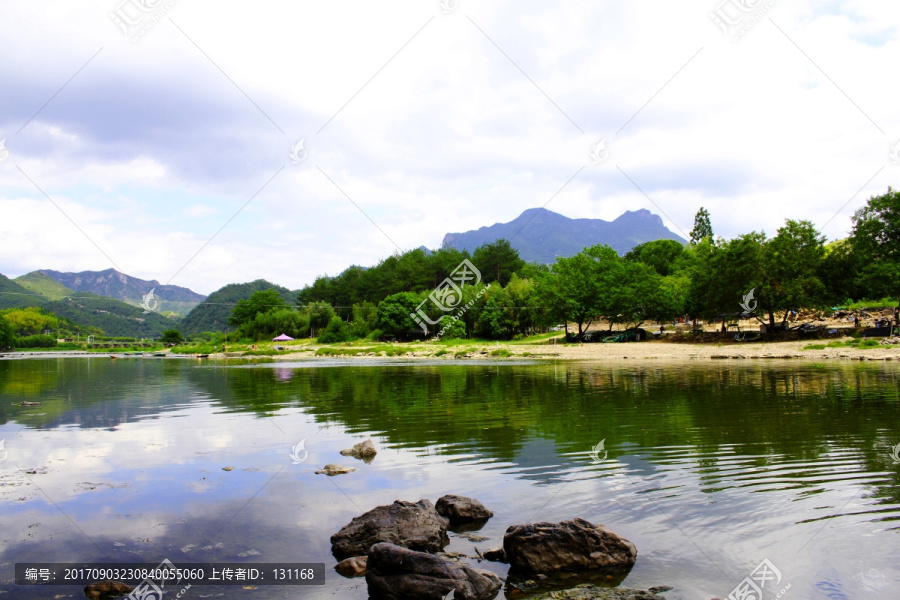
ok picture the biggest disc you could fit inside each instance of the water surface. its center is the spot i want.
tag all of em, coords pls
(709, 468)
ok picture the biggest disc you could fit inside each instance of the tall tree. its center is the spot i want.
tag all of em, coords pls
(7, 336)
(876, 237)
(497, 261)
(663, 255)
(702, 226)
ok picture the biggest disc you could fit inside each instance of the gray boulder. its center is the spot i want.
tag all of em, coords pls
(575, 545)
(459, 509)
(417, 526)
(363, 450)
(395, 573)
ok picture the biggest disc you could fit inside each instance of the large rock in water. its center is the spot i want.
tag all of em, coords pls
(363, 450)
(395, 573)
(575, 545)
(352, 567)
(460, 509)
(593, 592)
(106, 590)
(417, 526)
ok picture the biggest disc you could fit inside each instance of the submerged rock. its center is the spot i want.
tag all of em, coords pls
(417, 526)
(575, 545)
(594, 592)
(354, 566)
(332, 470)
(459, 509)
(363, 450)
(396, 573)
(496, 555)
(106, 590)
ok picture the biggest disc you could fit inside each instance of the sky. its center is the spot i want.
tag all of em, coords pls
(203, 143)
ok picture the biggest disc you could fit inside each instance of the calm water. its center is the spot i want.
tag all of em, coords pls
(711, 467)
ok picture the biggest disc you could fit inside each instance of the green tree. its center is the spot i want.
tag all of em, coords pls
(582, 287)
(665, 256)
(172, 336)
(639, 295)
(497, 261)
(262, 301)
(336, 331)
(364, 315)
(876, 239)
(394, 315)
(275, 322)
(782, 273)
(319, 315)
(702, 226)
(30, 321)
(453, 329)
(7, 335)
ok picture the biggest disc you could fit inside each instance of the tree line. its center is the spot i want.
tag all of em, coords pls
(654, 282)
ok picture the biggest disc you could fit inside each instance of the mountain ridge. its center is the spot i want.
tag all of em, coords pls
(540, 235)
(120, 286)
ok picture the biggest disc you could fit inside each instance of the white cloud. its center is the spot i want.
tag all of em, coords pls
(151, 149)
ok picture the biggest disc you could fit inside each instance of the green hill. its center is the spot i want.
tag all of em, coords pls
(212, 314)
(46, 286)
(114, 317)
(13, 295)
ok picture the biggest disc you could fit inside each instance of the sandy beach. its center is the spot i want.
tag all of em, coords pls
(655, 349)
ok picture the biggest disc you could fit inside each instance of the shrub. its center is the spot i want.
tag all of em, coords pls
(172, 336)
(35, 341)
(337, 331)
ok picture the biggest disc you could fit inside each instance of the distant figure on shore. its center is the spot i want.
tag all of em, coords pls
(856, 321)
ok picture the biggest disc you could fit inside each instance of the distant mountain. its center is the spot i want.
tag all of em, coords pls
(213, 313)
(113, 284)
(541, 235)
(114, 317)
(44, 285)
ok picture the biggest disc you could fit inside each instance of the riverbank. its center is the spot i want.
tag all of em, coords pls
(647, 350)
(652, 349)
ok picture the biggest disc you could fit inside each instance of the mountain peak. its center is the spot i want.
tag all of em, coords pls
(540, 235)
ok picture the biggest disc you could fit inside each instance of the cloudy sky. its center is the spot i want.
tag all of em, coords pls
(155, 136)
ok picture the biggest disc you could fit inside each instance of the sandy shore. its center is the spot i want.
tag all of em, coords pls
(657, 349)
